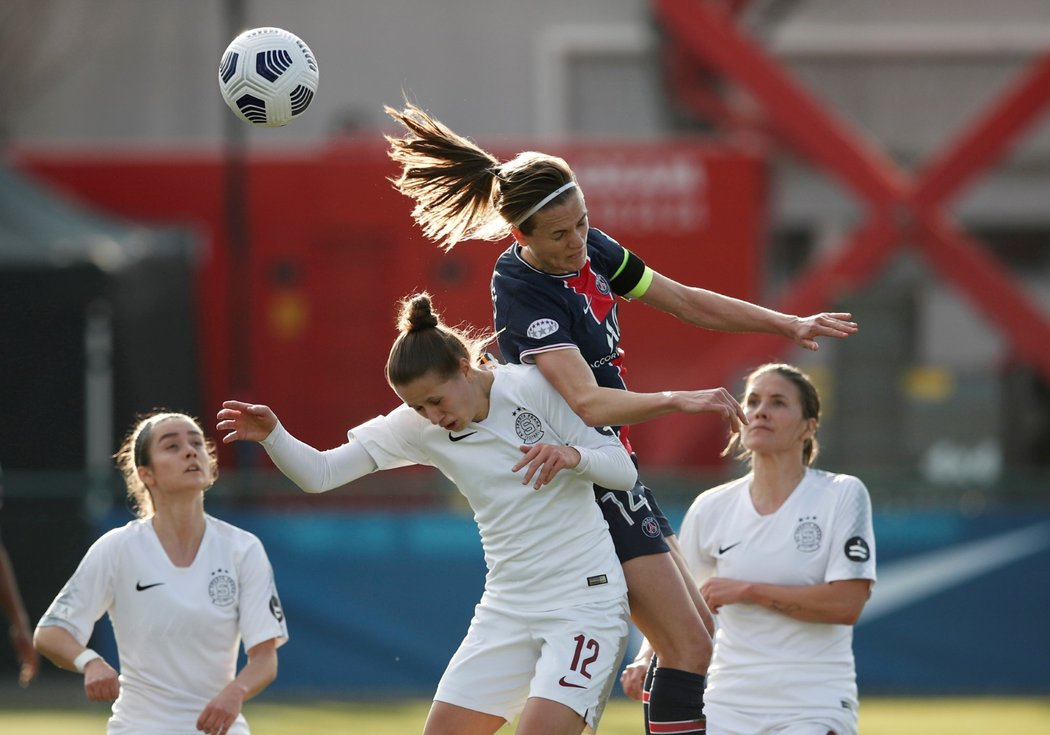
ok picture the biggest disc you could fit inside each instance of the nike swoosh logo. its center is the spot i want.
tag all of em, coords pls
(460, 437)
(570, 684)
(139, 586)
(724, 549)
(907, 582)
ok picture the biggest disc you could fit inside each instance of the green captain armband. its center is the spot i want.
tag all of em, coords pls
(633, 278)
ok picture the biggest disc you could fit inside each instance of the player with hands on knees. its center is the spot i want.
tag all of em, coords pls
(182, 589)
(552, 620)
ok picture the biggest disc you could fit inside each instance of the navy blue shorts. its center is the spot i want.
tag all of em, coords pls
(636, 523)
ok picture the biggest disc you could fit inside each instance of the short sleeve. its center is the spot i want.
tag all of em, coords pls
(530, 319)
(853, 538)
(690, 539)
(89, 592)
(261, 612)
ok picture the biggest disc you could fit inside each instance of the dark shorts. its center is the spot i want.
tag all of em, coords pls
(636, 523)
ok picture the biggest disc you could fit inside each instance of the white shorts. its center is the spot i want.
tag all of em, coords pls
(728, 721)
(570, 656)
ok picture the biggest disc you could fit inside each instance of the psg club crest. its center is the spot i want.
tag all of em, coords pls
(651, 528)
(222, 588)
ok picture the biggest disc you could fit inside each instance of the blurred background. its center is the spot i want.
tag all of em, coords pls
(889, 159)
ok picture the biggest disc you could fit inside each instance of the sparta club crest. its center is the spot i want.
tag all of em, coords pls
(527, 426)
(222, 588)
(807, 535)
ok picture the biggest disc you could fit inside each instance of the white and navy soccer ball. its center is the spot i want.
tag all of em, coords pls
(268, 76)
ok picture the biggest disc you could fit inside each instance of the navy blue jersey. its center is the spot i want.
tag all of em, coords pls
(537, 312)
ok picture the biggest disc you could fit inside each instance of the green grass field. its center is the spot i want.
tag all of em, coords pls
(948, 716)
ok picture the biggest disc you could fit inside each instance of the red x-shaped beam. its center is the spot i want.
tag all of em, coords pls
(903, 208)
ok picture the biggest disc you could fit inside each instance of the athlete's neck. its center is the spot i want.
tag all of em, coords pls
(180, 531)
(482, 380)
(773, 479)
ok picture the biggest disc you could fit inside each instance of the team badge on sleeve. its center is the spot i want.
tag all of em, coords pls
(857, 549)
(541, 328)
(651, 527)
(275, 608)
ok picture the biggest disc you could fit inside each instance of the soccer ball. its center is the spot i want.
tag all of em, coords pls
(268, 76)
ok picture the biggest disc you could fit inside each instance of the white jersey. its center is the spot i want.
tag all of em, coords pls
(544, 549)
(177, 628)
(766, 661)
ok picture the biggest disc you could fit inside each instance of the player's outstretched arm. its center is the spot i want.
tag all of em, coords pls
(570, 375)
(313, 470)
(712, 310)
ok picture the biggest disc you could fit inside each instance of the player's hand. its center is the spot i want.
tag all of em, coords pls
(28, 658)
(245, 421)
(808, 328)
(222, 711)
(718, 591)
(711, 400)
(545, 461)
(100, 681)
(633, 678)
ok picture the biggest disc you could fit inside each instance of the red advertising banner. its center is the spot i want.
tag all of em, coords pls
(297, 310)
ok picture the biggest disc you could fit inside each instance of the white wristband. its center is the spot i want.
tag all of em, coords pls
(85, 657)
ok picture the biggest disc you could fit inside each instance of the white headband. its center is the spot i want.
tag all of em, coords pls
(544, 201)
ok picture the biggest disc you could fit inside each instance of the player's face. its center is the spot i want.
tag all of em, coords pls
(558, 243)
(451, 403)
(774, 413)
(178, 458)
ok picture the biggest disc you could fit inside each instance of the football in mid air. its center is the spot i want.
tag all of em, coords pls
(268, 76)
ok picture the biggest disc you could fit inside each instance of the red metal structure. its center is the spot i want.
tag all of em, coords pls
(903, 209)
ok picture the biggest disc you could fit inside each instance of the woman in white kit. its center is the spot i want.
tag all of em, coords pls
(785, 558)
(182, 590)
(549, 632)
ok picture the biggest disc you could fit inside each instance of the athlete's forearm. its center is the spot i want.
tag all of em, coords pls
(837, 603)
(599, 406)
(313, 470)
(715, 311)
(608, 466)
(58, 646)
(712, 310)
(260, 670)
